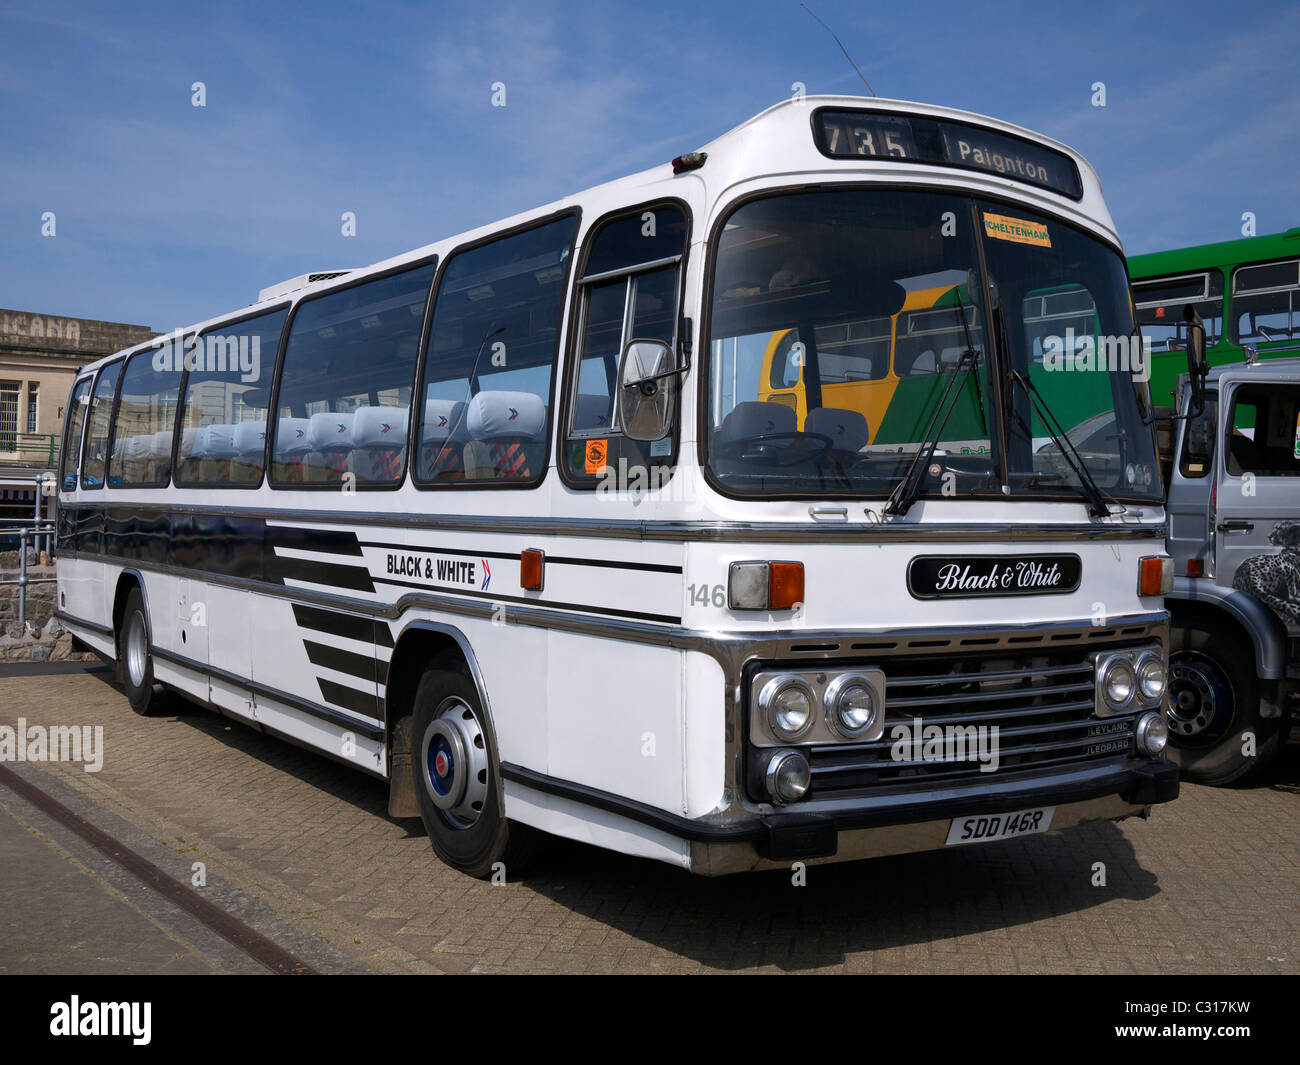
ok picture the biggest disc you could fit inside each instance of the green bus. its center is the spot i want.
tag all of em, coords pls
(1251, 286)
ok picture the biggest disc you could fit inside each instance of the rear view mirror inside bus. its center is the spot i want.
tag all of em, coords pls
(645, 402)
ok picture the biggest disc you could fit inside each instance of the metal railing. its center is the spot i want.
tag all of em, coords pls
(36, 532)
(32, 449)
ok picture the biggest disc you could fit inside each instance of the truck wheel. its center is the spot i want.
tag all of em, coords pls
(457, 779)
(1213, 705)
(135, 663)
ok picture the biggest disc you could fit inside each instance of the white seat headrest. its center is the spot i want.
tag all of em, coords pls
(292, 437)
(250, 440)
(160, 445)
(847, 428)
(444, 419)
(495, 415)
(751, 419)
(135, 448)
(215, 442)
(330, 432)
(379, 427)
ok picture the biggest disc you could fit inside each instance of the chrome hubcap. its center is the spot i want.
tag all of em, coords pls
(137, 651)
(1197, 697)
(454, 763)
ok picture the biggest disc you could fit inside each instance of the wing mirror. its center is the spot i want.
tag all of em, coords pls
(647, 372)
(1197, 367)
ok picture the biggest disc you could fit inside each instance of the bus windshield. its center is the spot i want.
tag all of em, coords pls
(839, 321)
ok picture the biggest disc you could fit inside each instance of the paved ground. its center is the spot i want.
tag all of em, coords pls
(301, 850)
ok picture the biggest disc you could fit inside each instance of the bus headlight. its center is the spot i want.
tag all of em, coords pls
(1151, 677)
(786, 703)
(853, 708)
(1152, 733)
(788, 776)
(1116, 684)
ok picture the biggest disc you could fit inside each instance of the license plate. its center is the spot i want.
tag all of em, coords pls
(985, 828)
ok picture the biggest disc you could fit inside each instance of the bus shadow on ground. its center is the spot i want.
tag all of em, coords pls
(843, 909)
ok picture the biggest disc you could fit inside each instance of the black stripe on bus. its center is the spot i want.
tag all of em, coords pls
(329, 541)
(348, 626)
(363, 667)
(358, 702)
(372, 729)
(495, 597)
(353, 578)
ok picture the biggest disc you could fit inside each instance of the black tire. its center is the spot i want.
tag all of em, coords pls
(471, 836)
(135, 662)
(1214, 703)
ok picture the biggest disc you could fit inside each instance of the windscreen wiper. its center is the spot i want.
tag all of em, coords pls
(1099, 506)
(907, 490)
(905, 494)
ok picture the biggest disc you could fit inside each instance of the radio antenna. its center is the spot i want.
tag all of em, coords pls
(842, 49)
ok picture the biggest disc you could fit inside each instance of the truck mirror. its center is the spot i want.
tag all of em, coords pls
(1197, 367)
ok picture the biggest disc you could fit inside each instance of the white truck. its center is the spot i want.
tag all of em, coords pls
(1234, 534)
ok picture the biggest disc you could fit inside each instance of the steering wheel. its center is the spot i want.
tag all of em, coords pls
(778, 449)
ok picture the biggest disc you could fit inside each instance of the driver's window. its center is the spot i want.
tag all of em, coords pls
(628, 290)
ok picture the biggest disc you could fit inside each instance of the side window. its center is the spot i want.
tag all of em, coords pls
(483, 412)
(227, 392)
(1266, 303)
(101, 408)
(629, 291)
(1264, 431)
(1160, 302)
(345, 390)
(76, 420)
(146, 416)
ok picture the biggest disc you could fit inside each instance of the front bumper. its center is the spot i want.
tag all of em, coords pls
(903, 823)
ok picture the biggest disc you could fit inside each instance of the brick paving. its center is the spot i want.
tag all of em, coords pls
(1207, 885)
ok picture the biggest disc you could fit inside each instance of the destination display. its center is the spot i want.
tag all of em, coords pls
(976, 576)
(915, 138)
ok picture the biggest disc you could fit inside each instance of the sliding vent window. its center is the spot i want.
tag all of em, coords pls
(227, 392)
(146, 413)
(484, 402)
(629, 291)
(76, 421)
(101, 409)
(345, 391)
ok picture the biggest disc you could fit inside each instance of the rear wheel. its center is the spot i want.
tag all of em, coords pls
(135, 662)
(457, 779)
(1214, 708)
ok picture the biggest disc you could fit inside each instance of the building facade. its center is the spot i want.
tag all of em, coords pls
(39, 357)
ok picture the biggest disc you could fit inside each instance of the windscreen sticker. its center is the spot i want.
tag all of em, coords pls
(596, 453)
(1003, 227)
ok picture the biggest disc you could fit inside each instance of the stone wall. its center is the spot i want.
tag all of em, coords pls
(42, 638)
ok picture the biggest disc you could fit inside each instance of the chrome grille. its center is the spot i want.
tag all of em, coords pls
(1041, 705)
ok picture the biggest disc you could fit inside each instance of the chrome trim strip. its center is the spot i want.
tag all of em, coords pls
(691, 531)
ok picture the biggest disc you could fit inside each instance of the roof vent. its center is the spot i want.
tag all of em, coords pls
(294, 284)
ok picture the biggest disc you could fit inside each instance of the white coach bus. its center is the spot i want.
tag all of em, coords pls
(528, 524)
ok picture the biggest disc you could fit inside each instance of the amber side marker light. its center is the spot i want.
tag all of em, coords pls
(1155, 575)
(532, 569)
(1195, 567)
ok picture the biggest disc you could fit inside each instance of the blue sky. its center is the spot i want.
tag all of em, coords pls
(167, 213)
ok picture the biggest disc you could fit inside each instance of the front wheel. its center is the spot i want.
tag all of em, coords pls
(135, 661)
(454, 759)
(1216, 733)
